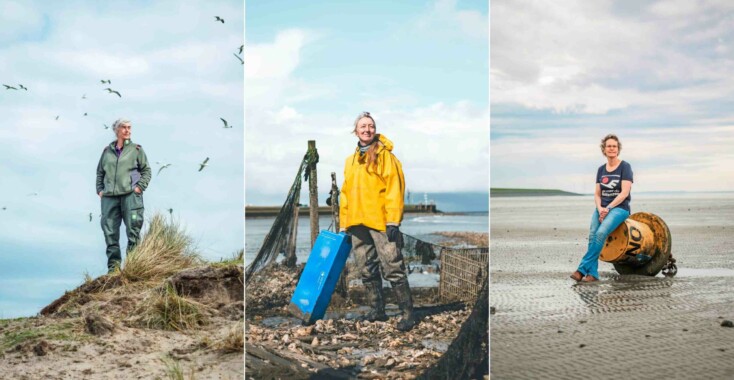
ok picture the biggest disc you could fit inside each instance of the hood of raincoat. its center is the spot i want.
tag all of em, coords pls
(372, 196)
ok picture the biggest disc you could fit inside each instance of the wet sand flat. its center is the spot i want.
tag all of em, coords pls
(548, 327)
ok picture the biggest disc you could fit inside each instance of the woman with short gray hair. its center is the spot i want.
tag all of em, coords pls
(123, 174)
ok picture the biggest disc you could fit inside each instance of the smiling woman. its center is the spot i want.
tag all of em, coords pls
(612, 198)
(371, 210)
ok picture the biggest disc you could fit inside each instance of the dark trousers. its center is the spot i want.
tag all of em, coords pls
(126, 208)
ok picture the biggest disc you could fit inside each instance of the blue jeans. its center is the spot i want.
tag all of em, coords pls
(598, 233)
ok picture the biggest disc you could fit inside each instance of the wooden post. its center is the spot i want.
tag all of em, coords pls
(313, 192)
(341, 285)
(290, 257)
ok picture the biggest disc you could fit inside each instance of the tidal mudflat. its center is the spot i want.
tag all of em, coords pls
(546, 326)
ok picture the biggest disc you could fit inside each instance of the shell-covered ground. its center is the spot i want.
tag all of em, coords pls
(340, 345)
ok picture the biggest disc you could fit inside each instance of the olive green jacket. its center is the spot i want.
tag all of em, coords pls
(119, 175)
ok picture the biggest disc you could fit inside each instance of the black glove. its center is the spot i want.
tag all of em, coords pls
(394, 235)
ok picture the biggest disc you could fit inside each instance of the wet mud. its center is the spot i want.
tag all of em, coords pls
(546, 326)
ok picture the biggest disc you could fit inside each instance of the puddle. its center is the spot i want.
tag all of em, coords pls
(705, 272)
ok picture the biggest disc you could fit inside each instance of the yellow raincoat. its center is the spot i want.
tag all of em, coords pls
(374, 197)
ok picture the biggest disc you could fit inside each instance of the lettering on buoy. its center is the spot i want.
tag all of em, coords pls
(634, 245)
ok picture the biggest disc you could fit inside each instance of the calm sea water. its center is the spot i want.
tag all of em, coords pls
(421, 226)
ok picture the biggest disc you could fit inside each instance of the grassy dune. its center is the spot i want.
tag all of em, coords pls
(166, 313)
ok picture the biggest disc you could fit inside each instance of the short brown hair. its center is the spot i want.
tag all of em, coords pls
(613, 137)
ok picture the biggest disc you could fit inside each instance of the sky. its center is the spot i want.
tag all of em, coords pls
(421, 68)
(174, 66)
(658, 74)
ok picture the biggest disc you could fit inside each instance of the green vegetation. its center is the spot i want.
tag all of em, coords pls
(506, 192)
(234, 341)
(20, 331)
(166, 310)
(174, 371)
(238, 258)
(164, 249)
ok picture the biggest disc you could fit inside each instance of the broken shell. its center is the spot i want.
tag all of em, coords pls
(390, 363)
(348, 336)
(315, 341)
(369, 359)
(286, 339)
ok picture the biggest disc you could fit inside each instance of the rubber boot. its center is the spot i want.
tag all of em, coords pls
(376, 301)
(405, 302)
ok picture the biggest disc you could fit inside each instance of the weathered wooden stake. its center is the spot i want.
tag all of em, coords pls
(313, 192)
(290, 257)
(341, 285)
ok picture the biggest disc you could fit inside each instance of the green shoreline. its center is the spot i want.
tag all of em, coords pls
(496, 192)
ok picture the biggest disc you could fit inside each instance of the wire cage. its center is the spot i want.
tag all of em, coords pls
(463, 271)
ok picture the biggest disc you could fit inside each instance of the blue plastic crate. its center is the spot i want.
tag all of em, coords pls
(319, 276)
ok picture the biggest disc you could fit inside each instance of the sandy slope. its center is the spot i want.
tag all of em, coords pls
(101, 334)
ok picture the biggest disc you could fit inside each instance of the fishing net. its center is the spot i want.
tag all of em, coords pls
(281, 237)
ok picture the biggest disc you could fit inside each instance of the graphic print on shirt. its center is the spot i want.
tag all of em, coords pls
(610, 185)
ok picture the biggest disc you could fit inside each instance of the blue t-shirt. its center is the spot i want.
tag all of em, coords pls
(611, 184)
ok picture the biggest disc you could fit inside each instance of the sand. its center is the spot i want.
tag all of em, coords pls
(547, 326)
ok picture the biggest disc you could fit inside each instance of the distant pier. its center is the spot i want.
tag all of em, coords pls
(264, 211)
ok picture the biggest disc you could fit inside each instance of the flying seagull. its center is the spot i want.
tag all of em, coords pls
(9, 87)
(84, 96)
(90, 216)
(203, 164)
(170, 211)
(4, 208)
(33, 194)
(241, 47)
(85, 114)
(163, 167)
(217, 18)
(238, 57)
(106, 126)
(22, 87)
(57, 117)
(226, 125)
(111, 91)
(106, 81)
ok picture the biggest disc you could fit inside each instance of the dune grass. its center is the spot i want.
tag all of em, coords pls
(237, 258)
(164, 249)
(25, 330)
(166, 310)
(234, 341)
(174, 370)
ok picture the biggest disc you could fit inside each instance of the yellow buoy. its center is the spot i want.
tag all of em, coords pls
(640, 245)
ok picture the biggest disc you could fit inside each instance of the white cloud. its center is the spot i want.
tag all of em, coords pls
(276, 60)
(287, 115)
(444, 18)
(443, 147)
